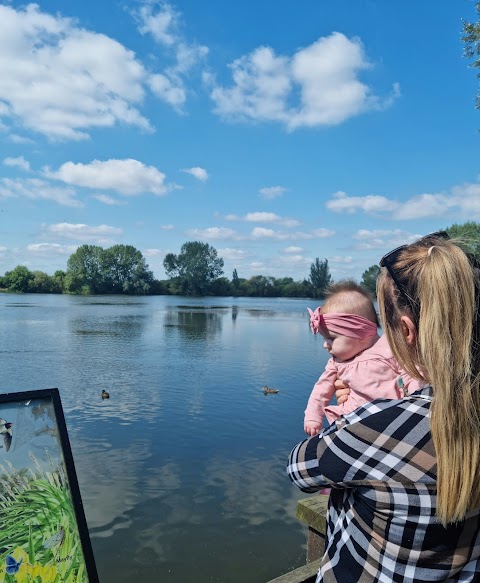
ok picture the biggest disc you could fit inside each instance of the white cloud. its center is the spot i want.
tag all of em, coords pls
(369, 204)
(108, 200)
(233, 254)
(428, 205)
(167, 227)
(101, 234)
(324, 74)
(262, 233)
(16, 139)
(18, 162)
(293, 249)
(167, 90)
(264, 217)
(3, 249)
(461, 200)
(153, 252)
(127, 177)
(213, 233)
(51, 249)
(36, 189)
(383, 238)
(163, 23)
(295, 260)
(322, 233)
(261, 217)
(61, 80)
(197, 172)
(271, 192)
(340, 259)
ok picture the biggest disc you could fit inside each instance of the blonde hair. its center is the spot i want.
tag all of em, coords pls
(443, 289)
(347, 297)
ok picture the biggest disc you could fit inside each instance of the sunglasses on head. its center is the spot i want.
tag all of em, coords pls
(390, 259)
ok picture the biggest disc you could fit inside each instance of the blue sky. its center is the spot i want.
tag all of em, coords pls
(275, 131)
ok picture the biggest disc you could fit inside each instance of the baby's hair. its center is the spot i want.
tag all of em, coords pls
(348, 297)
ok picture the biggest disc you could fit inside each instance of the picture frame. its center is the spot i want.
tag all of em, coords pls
(43, 531)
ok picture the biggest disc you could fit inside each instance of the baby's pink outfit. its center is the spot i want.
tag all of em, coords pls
(372, 374)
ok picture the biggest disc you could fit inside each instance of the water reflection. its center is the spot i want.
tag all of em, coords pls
(194, 325)
(126, 327)
(258, 313)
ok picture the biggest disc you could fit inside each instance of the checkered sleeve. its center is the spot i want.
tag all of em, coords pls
(383, 440)
(381, 524)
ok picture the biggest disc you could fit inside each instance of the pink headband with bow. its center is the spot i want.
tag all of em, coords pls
(349, 325)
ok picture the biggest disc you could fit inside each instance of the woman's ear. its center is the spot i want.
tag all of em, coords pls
(409, 330)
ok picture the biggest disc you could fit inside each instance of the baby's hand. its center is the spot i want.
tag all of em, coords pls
(342, 390)
(312, 428)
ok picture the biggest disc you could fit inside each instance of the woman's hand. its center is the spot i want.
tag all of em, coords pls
(342, 391)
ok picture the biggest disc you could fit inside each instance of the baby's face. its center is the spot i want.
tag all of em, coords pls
(341, 347)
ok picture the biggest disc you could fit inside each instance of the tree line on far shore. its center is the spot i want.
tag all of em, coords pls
(196, 270)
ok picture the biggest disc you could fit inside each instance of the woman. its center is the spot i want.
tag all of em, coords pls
(405, 473)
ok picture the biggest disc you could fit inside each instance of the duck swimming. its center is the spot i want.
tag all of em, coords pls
(269, 391)
(105, 395)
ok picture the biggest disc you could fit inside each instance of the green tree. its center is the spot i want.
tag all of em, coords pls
(320, 277)
(84, 271)
(369, 279)
(125, 270)
(235, 280)
(41, 283)
(119, 269)
(58, 280)
(469, 236)
(260, 286)
(221, 287)
(471, 38)
(195, 268)
(19, 279)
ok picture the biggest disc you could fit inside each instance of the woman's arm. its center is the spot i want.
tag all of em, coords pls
(304, 465)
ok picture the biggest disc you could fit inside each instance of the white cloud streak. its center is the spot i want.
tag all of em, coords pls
(213, 233)
(263, 233)
(197, 172)
(264, 217)
(163, 23)
(101, 234)
(108, 200)
(462, 200)
(18, 162)
(51, 249)
(271, 192)
(37, 189)
(128, 177)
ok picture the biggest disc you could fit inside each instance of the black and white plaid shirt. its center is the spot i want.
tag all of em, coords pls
(381, 526)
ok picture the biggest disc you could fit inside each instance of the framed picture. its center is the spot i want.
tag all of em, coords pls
(43, 531)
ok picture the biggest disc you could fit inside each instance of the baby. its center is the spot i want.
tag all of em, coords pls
(360, 358)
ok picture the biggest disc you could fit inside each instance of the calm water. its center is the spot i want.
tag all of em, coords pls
(182, 470)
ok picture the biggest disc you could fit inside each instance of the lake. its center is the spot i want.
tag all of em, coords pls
(182, 470)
